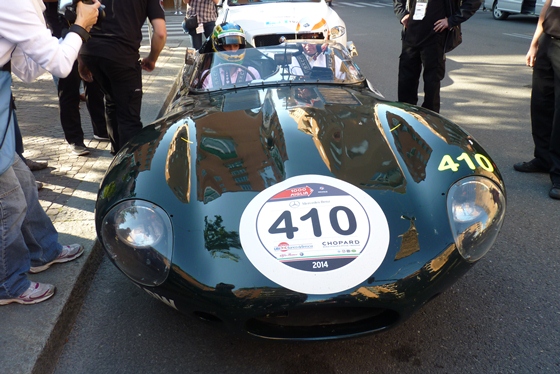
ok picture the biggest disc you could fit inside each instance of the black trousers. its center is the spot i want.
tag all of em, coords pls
(196, 39)
(545, 105)
(431, 58)
(69, 107)
(122, 86)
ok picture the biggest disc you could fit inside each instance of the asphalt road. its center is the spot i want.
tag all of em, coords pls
(502, 317)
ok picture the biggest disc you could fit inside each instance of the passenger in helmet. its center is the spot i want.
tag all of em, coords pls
(314, 54)
(228, 45)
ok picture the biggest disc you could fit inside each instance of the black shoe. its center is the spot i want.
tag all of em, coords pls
(532, 166)
(555, 191)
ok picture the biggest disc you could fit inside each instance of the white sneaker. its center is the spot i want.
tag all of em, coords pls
(68, 253)
(36, 293)
(180, 12)
(101, 138)
(176, 13)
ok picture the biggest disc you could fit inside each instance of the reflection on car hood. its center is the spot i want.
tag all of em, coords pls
(212, 146)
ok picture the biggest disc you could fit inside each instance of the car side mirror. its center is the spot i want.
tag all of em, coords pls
(190, 56)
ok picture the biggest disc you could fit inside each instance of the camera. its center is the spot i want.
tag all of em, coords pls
(68, 9)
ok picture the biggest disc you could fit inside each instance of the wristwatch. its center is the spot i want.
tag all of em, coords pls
(80, 31)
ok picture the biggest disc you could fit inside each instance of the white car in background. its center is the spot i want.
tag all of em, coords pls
(268, 22)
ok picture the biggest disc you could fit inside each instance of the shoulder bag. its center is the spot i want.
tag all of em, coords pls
(454, 38)
(454, 35)
(190, 23)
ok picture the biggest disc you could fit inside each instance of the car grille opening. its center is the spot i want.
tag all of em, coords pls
(271, 39)
(322, 323)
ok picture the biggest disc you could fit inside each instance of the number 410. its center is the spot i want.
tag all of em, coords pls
(447, 163)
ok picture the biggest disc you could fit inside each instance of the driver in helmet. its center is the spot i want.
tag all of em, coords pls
(314, 28)
(228, 45)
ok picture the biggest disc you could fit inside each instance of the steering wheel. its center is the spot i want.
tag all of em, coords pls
(226, 65)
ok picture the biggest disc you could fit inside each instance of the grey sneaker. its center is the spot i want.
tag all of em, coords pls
(79, 150)
(36, 165)
(68, 253)
(36, 293)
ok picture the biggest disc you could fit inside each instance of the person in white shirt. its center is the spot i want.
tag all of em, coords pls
(314, 54)
(29, 241)
(228, 44)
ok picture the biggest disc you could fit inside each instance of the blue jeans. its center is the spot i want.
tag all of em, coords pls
(27, 235)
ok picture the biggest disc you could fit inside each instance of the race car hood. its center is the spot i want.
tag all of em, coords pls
(276, 18)
(211, 155)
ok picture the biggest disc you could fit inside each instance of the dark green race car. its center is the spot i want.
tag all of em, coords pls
(297, 204)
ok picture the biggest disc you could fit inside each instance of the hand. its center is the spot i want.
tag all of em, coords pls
(441, 24)
(84, 71)
(86, 14)
(404, 20)
(531, 56)
(147, 64)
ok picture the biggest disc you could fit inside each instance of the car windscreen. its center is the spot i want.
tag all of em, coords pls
(293, 62)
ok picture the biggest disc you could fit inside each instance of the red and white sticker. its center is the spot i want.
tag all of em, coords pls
(315, 234)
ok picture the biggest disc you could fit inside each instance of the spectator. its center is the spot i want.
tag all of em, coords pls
(423, 42)
(69, 94)
(112, 56)
(29, 239)
(228, 43)
(205, 11)
(314, 55)
(178, 7)
(544, 57)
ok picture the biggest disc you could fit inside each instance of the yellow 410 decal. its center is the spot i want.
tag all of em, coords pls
(447, 162)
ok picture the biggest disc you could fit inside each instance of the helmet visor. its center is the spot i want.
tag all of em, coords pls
(232, 39)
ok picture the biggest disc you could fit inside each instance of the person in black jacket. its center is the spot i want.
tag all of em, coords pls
(425, 24)
(544, 57)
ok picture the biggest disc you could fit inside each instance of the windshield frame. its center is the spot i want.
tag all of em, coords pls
(275, 66)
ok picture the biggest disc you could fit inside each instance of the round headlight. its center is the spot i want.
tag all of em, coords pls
(337, 32)
(137, 235)
(476, 207)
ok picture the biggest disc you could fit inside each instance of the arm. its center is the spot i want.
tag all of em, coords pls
(36, 50)
(532, 53)
(158, 42)
(466, 10)
(399, 7)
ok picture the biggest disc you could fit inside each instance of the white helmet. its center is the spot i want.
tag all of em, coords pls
(312, 27)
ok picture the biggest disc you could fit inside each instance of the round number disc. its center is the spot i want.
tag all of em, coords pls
(314, 234)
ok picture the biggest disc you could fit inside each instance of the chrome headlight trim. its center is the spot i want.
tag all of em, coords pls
(138, 236)
(476, 209)
(337, 32)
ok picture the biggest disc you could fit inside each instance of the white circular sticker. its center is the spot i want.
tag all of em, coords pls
(314, 234)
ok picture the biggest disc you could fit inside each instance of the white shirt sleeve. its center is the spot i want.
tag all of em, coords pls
(25, 39)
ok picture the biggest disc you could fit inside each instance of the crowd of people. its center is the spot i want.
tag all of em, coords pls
(100, 49)
(90, 45)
